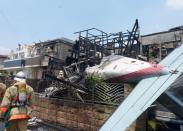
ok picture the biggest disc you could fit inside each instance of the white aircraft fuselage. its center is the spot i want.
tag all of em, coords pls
(120, 69)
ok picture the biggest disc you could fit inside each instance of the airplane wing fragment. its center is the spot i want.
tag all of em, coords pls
(145, 93)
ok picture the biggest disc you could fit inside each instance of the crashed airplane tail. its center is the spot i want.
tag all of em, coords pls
(145, 93)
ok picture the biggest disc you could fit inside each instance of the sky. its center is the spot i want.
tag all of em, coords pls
(30, 21)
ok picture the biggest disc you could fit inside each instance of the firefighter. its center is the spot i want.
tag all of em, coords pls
(18, 100)
(2, 91)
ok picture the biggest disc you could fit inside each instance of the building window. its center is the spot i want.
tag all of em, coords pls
(22, 55)
(29, 53)
(15, 56)
(39, 51)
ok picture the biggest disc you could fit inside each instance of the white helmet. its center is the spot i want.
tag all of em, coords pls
(20, 76)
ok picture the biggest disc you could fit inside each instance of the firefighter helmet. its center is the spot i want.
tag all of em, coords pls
(20, 76)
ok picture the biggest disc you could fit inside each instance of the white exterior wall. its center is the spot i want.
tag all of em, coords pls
(27, 50)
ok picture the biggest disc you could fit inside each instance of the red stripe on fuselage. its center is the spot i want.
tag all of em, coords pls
(154, 69)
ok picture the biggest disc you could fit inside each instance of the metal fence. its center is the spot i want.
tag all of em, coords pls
(109, 93)
(105, 93)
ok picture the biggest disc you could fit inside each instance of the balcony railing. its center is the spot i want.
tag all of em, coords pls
(14, 63)
(27, 62)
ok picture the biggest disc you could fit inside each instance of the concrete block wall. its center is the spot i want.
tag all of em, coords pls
(78, 116)
(72, 115)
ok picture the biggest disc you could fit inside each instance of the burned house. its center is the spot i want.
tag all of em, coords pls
(155, 46)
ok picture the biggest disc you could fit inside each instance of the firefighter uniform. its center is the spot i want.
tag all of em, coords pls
(18, 100)
(2, 91)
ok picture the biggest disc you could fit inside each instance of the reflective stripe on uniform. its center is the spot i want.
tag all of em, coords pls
(3, 109)
(18, 116)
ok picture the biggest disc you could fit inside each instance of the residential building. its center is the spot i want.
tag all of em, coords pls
(2, 58)
(34, 59)
(162, 43)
